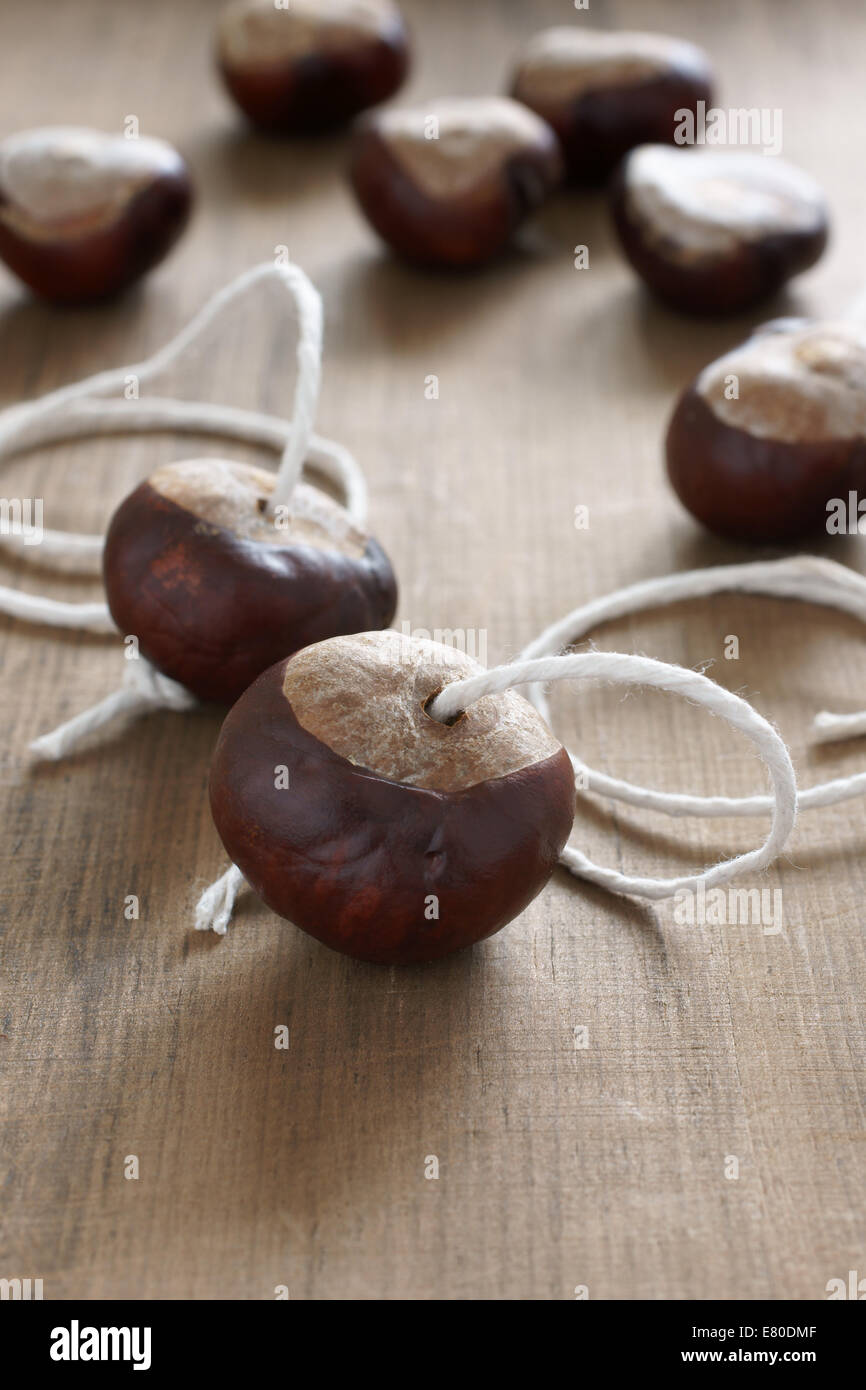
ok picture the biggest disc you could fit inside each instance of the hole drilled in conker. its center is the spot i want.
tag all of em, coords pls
(451, 720)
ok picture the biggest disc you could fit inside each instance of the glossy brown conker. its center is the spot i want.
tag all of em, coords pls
(84, 214)
(606, 92)
(770, 435)
(375, 828)
(714, 232)
(449, 182)
(311, 66)
(215, 590)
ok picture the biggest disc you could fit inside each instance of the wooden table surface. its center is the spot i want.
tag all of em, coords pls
(605, 1165)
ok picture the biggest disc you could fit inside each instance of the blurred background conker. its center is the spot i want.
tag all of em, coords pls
(310, 66)
(83, 214)
(771, 432)
(447, 183)
(606, 91)
(713, 232)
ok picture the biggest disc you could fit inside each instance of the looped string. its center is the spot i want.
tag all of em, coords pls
(620, 669)
(308, 303)
(806, 577)
(81, 409)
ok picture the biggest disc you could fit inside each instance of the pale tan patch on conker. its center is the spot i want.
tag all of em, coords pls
(234, 496)
(476, 136)
(562, 64)
(66, 181)
(364, 696)
(693, 204)
(256, 33)
(798, 384)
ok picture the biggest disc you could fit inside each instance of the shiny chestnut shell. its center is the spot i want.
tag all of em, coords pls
(763, 465)
(352, 853)
(740, 227)
(454, 200)
(308, 68)
(75, 236)
(604, 92)
(213, 608)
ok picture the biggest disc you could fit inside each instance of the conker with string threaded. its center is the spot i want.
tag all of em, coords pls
(216, 590)
(381, 831)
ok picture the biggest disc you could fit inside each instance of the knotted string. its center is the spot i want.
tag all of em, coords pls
(79, 409)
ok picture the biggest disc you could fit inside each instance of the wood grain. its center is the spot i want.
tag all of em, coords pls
(559, 1165)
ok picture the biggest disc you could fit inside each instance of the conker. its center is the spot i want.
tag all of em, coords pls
(83, 214)
(215, 590)
(311, 66)
(389, 836)
(713, 232)
(604, 93)
(771, 432)
(447, 183)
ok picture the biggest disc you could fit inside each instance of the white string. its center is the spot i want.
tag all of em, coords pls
(214, 908)
(143, 689)
(620, 669)
(806, 577)
(34, 608)
(830, 728)
(64, 551)
(308, 303)
(73, 553)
